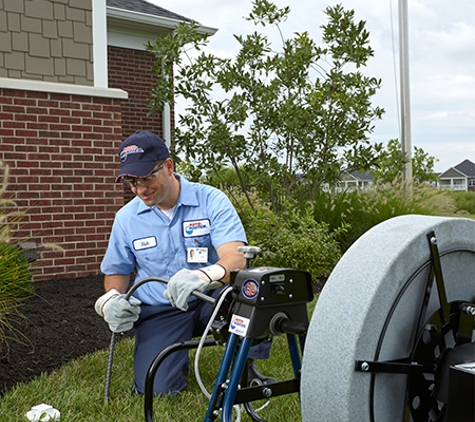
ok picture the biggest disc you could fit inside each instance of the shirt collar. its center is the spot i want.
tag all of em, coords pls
(187, 193)
(187, 196)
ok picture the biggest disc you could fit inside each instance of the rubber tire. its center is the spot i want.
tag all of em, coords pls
(355, 303)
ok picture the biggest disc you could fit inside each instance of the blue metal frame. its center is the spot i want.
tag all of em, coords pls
(236, 374)
(227, 392)
(222, 374)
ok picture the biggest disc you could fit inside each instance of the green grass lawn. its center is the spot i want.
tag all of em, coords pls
(77, 390)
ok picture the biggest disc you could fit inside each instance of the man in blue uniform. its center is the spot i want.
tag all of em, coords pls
(182, 231)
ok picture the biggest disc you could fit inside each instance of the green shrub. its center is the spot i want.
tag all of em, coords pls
(292, 239)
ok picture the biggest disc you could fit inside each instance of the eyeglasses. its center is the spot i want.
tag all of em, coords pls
(133, 182)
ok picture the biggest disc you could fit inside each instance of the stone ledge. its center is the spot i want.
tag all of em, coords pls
(59, 88)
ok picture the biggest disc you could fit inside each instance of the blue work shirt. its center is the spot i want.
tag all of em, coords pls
(144, 238)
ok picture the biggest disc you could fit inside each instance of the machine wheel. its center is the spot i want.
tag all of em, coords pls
(400, 305)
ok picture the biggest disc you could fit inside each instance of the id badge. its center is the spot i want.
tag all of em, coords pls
(197, 255)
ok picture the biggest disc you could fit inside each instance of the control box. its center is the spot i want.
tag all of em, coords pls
(268, 286)
(260, 293)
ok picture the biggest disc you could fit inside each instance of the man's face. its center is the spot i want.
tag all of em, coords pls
(157, 188)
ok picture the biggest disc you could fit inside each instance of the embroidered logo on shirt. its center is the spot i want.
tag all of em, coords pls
(196, 228)
(145, 243)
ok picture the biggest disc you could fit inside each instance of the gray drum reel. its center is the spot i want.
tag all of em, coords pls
(396, 310)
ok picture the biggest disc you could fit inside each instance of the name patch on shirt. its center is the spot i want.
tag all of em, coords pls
(196, 228)
(145, 243)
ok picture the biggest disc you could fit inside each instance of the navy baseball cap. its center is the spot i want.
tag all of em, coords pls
(139, 154)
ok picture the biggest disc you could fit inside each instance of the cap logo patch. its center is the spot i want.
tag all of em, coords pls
(131, 149)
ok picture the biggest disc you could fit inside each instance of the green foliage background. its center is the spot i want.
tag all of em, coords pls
(291, 239)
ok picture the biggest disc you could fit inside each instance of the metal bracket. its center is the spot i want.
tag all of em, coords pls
(466, 323)
(394, 367)
(444, 304)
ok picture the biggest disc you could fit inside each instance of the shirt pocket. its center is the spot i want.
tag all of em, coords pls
(198, 242)
(145, 250)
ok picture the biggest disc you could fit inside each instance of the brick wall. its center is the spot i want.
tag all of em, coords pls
(131, 70)
(62, 154)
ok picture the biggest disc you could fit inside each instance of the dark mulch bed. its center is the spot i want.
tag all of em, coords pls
(59, 325)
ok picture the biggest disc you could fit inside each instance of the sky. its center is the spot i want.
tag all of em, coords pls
(441, 37)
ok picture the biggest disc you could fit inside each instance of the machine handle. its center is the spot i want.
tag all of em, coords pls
(281, 324)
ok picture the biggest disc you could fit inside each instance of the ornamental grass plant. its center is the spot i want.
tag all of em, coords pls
(465, 202)
(15, 276)
(360, 210)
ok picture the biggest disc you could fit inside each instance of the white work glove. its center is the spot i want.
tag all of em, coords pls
(182, 284)
(117, 311)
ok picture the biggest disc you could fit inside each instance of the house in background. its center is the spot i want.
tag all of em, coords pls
(75, 80)
(459, 178)
(356, 180)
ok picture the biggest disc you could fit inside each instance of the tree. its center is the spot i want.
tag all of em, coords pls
(423, 166)
(390, 164)
(289, 121)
